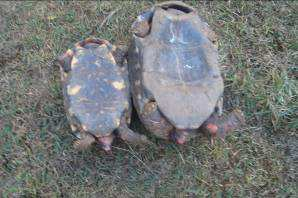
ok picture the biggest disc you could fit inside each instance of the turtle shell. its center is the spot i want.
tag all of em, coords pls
(96, 89)
(180, 65)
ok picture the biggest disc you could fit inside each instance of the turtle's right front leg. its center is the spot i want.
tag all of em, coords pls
(128, 135)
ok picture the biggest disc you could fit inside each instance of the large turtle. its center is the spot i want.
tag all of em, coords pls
(174, 72)
(96, 93)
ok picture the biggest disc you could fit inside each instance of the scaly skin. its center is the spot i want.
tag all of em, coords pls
(220, 126)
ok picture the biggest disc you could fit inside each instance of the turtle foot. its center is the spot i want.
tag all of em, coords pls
(220, 126)
(130, 136)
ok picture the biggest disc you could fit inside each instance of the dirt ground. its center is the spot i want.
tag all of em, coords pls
(258, 52)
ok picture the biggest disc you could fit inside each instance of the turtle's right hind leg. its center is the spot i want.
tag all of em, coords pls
(128, 135)
(220, 126)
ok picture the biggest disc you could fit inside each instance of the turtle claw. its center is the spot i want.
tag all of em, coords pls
(213, 139)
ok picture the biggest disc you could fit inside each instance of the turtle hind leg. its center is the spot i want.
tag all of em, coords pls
(130, 136)
(219, 106)
(182, 136)
(84, 142)
(154, 121)
(218, 126)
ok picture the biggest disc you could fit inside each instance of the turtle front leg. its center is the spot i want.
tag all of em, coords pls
(83, 139)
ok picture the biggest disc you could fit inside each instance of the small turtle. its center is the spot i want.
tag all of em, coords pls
(174, 71)
(96, 93)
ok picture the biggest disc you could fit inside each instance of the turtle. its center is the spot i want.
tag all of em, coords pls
(174, 73)
(96, 94)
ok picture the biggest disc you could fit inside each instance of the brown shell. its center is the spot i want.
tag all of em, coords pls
(179, 65)
(95, 88)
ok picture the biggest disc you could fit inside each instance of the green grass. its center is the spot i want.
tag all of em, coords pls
(258, 51)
